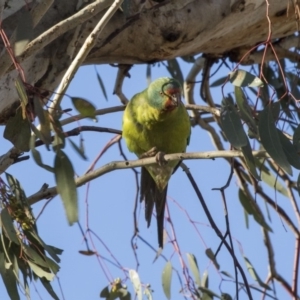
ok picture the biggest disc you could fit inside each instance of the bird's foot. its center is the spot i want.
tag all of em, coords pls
(150, 153)
(160, 158)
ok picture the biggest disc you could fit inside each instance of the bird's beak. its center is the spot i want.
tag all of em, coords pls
(176, 98)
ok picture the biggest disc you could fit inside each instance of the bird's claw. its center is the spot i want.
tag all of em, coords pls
(150, 153)
(160, 158)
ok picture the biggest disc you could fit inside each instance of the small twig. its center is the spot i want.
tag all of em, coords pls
(122, 73)
(82, 54)
(215, 227)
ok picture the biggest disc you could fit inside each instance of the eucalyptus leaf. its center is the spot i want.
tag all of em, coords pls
(18, 132)
(194, 268)
(84, 107)
(244, 78)
(270, 139)
(101, 84)
(135, 280)
(166, 279)
(232, 125)
(210, 254)
(66, 187)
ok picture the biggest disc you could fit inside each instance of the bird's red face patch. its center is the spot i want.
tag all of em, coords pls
(173, 99)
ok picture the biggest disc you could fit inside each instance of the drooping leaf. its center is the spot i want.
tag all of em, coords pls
(208, 293)
(298, 184)
(289, 150)
(175, 70)
(227, 274)
(249, 159)
(166, 279)
(296, 139)
(84, 107)
(38, 271)
(37, 156)
(78, 149)
(270, 139)
(101, 84)
(219, 81)
(254, 274)
(205, 280)
(270, 180)
(244, 78)
(59, 137)
(252, 209)
(18, 131)
(135, 280)
(8, 226)
(21, 90)
(232, 125)
(245, 109)
(9, 279)
(210, 254)
(66, 187)
(49, 288)
(194, 268)
(24, 32)
(148, 74)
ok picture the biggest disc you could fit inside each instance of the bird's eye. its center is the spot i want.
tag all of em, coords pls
(161, 93)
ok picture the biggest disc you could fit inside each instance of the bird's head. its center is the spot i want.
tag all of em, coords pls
(164, 94)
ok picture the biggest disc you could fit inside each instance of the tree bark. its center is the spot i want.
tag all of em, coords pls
(142, 33)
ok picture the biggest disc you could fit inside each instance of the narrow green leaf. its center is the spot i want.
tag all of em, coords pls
(249, 159)
(8, 226)
(296, 139)
(226, 296)
(59, 137)
(175, 70)
(79, 150)
(148, 74)
(209, 253)
(105, 292)
(21, 90)
(252, 209)
(34, 256)
(135, 280)
(245, 109)
(219, 81)
(298, 184)
(18, 132)
(24, 32)
(254, 274)
(9, 279)
(227, 274)
(49, 288)
(101, 84)
(205, 280)
(84, 107)
(289, 150)
(209, 293)
(38, 271)
(194, 268)
(166, 279)
(270, 139)
(270, 180)
(66, 187)
(244, 78)
(232, 125)
(37, 156)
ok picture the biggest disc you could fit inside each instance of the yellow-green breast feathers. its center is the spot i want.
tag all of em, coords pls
(156, 117)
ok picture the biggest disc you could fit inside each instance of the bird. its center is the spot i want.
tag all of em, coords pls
(156, 122)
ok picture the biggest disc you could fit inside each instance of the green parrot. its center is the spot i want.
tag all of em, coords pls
(155, 121)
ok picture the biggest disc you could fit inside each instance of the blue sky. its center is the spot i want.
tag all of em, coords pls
(110, 202)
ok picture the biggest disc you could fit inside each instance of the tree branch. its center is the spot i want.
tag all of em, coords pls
(116, 165)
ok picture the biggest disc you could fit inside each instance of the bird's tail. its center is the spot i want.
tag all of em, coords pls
(152, 195)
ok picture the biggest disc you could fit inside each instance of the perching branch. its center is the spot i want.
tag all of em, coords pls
(116, 165)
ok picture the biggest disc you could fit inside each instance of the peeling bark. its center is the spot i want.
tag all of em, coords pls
(142, 33)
